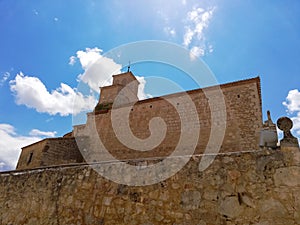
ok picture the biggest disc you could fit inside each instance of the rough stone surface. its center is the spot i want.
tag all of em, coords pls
(50, 151)
(287, 176)
(286, 124)
(259, 187)
(242, 109)
(243, 121)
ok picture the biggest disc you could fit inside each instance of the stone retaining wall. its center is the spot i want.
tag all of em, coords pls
(259, 187)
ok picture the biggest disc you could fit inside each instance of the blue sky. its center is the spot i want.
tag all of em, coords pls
(47, 46)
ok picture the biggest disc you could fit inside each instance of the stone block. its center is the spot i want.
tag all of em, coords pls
(230, 207)
(288, 176)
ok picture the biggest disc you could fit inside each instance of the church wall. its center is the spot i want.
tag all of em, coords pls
(243, 121)
(51, 151)
(61, 151)
(31, 155)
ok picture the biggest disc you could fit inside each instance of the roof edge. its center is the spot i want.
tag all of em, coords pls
(47, 139)
(225, 85)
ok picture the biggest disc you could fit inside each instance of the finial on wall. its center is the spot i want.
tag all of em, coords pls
(268, 134)
(128, 68)
(286, 124)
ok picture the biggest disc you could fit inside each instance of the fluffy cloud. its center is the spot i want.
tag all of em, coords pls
(11, 144)
(89, 57)
(190, 23)
(296, 121)
(196, 52)
(141, 91)
(36, 132)
(30, 91)
(98, 70)
(197, 20)
(72, 60)
(292, 104)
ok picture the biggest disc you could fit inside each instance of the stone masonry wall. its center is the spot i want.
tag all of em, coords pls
(50, 151)
(243, 121)
(259, 187)
(31, 156)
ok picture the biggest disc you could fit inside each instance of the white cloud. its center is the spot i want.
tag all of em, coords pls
(2, 165)
(210, 48)
(38, 133)
(188, 36)
(141, 91)
(50, 119)
(55, 19)
(10, 146)
(4, 78)
(292, 104)
(196, 52)
(72, 60)
(197, 20)
(98, 70)
(35, 12)
(170, 31)
(296, 121)
(7, 128)
(89, 57)
(30, 91)
(296, 125)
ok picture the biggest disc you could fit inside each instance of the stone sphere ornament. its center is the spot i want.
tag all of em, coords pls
(286, 124)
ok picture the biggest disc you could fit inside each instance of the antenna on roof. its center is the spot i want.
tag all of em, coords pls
(128, 68)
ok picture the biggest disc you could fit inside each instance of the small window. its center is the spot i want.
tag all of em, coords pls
(29, 158)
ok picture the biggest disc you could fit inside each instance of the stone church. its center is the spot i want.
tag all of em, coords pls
(242, 112)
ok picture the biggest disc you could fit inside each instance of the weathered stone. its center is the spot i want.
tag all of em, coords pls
(210, 195)
(263, 223)
(289, 176)
(265, 195)
(273, 208)
(289, 141)
(191, 199)
(241, 111)
(230, 207)
(164, 196)
(175, 185)
(159, 217)
(247, 200)
(154, 194)
(234, 174)
(107, 201)
(202, 223)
